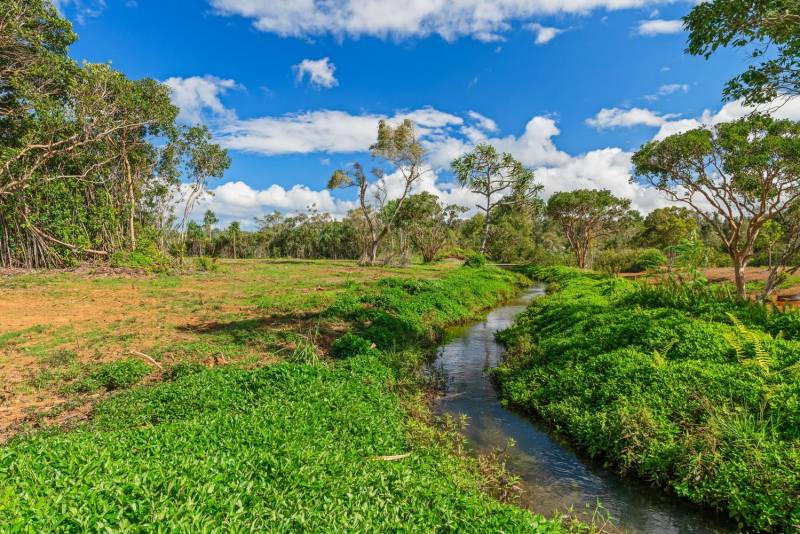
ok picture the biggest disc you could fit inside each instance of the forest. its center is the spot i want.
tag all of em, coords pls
(165, 368)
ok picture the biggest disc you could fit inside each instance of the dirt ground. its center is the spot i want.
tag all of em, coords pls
(57, 326)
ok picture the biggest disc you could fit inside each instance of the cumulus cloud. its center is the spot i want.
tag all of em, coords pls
(625, 118)
(321, 131)
(654, 27)
(781, 109)
(319, 72)
(238, 201)
(485, 20)
(544, 34)
(198, 98)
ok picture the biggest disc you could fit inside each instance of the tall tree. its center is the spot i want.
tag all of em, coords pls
(399, 147)
(665, 228)
(203, 159)
(209, 221)
(585, 216)
(429, 223)
(499, 178)
(736, 176)
(770, 27)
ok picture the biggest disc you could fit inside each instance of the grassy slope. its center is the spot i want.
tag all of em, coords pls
(668, 389)
(287, 447)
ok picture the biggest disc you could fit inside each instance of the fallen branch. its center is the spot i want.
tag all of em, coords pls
(391, 458)
(148, 358)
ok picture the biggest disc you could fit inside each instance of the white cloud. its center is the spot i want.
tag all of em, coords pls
(625, 118)
(672, 88)
(321, 131)
(82, 9)
(482, 122)
(650, 28)
(198, 97)
(238, 201)
(780, 109)
(668, 89)
(319, 72)
(485, 20)
(544, 34)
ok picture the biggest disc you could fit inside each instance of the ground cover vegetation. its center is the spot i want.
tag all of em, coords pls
(334, 435)
(683, 386)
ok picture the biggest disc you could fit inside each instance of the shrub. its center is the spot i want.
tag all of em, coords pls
(475, 260)
(649, 259)
(351, 345)
(114, 375)
(206, 264)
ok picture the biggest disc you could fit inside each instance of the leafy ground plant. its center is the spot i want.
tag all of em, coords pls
(289, 447)
(698, 397)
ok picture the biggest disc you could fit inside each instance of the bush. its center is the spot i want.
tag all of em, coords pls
(352, 345)
(206, 264)
(475, 260)
(649, 259)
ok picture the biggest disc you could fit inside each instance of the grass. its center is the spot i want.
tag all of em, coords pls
(698, 395)
(246, 311)
(311, 444)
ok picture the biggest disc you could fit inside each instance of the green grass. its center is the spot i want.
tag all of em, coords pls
(697, 396)
(291, 447)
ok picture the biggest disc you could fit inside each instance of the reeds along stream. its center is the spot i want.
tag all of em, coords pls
(554, 477)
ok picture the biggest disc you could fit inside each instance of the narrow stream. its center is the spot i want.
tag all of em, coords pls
(554, 477)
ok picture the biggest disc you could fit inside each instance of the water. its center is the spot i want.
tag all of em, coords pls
(554, 477)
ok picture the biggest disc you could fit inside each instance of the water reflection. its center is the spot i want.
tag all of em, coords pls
(555, 477)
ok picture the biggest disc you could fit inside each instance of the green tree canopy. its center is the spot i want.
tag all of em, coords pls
(498, 178)
(770, 27)
(736, 176)
(586, 215)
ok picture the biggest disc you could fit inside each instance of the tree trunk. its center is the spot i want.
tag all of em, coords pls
(739, 265)
(373, 252)
(131, 203)
(485, 237)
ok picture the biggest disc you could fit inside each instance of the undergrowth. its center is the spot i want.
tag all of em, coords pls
(691, 390)
(309, 445)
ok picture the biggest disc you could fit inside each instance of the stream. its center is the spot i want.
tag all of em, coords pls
(554, 477)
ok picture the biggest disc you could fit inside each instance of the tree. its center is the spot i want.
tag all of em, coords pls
(498, 178)
(736, 176)
(782, 236)
(399, 147)
(202, 160)
(665, 228)
(429, 223)
(235, 232)
(209, 221)
(770, 26)
(586, 215)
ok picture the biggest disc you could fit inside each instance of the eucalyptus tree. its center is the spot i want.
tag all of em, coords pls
(429, 223)
(499, 178)
(737, 176)
(202, 160)
(770, 27)
(399, 147)
(585, 216)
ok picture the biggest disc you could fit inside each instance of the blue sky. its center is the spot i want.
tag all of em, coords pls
(570, 87)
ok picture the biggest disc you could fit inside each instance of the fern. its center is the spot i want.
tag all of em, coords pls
(745, 337)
